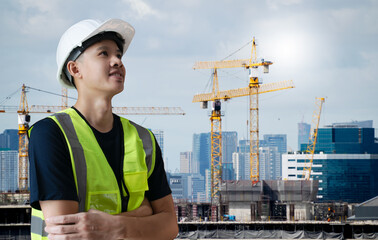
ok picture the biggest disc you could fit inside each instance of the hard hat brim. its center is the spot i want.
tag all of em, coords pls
(124, 29)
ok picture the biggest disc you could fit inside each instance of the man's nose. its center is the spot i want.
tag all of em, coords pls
(116, 61)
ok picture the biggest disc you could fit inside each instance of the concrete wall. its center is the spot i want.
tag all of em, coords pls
(302, 211)
(241, 211)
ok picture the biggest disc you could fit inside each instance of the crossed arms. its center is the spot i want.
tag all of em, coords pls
(152, 220)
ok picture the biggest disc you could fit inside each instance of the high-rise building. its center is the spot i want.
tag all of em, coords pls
(303, 133)
(349, 178)
(275, 140)
(177, 185)
(269, 163)
(197, 184)
(201, 153)
(345, 163)
(341, 139)
(159, 135)
(237, 165)
(9, 139)
(208, 185)
(8, 171)
(186, 162)
(229, 146)
(271, 149)
(354, 124)
(186, 186)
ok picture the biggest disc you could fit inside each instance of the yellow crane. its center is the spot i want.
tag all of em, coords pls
(253, 90)
(312, 139)
(24, 119)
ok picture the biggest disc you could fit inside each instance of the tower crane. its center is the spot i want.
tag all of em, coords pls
(253, 90)
(24, 119)
(312, 139)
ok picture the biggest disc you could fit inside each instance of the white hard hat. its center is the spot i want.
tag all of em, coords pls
(76, 35)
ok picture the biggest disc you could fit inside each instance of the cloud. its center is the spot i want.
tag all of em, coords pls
(142, 9)
(275, 4)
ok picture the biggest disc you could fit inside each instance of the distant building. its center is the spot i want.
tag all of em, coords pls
(345, 163)
(303, 133)
(240, 161)
(237, 166)
(349, 178)
(208, 185)
(354, 124)
(270, 163)
(8, 171)
(9, 139)
(186, 186)
(159, 135)
(343, 139)
(271, 149)
(197, 185)
(229, 146)
(201, 153)
(186, 162)
(177, 185)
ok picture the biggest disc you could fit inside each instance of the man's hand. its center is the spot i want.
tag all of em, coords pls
(63, 221)
(162, 224)
(93, 224)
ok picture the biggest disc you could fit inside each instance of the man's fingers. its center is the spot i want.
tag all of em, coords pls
(61, 229)
(64, 219)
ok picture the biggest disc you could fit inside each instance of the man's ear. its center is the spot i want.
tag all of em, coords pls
(73, 69)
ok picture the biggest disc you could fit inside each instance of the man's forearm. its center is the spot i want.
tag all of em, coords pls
(161, 225)
(158, 226)
(96, 224)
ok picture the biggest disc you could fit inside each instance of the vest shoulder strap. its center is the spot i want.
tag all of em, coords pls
(148, 145)
(73, 142)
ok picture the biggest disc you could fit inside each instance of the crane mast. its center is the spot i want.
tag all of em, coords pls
(216, 143)
(312, 139)
(23, 126)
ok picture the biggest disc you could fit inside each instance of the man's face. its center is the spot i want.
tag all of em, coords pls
(101, 69)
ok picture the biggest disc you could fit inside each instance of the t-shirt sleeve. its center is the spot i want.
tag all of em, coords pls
(157, 182)
(51, 175)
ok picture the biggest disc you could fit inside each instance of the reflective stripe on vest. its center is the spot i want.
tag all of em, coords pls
(38, 225)
(139, 162)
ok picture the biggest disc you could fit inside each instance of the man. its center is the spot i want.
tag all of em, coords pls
(94, 174)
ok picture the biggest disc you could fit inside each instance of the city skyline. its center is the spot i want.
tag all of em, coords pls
(328, 49)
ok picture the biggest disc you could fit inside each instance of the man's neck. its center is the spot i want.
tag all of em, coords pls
(98, 113)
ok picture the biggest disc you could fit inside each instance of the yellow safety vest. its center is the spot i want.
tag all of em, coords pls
(96, 184)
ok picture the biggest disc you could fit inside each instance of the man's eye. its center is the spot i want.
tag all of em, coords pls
(105, 53)
(119, 56)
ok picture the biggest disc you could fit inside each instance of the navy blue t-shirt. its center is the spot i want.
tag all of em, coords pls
(51, 175)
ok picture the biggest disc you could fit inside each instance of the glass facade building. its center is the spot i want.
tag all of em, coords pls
(303, 133)
(186, 186)
(349, 178)
(202, 152)
(341, 140)
(9, 140)
(8, 171)
(345, 163)
(159, 135)
(271, 149)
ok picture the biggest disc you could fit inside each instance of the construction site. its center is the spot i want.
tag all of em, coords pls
(244, 209)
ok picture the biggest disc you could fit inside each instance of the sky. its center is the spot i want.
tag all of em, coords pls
(327, 47)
